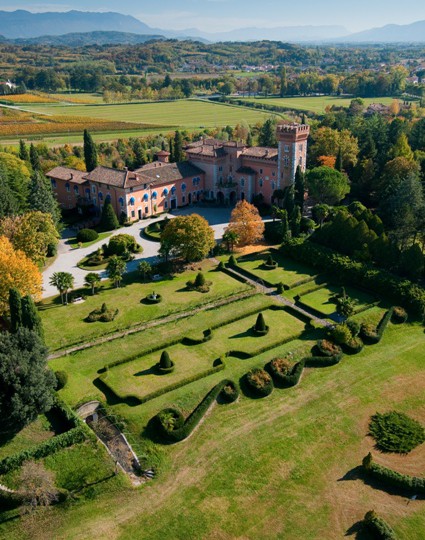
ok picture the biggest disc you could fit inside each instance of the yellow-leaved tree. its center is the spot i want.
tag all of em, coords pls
(16, 271)
(246, 222)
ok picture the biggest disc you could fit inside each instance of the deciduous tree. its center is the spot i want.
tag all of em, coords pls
(189, 237)
(327, 185)
(246, 222)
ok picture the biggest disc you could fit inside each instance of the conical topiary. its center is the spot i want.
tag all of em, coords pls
(270, 261)
(220, 265)
(232, 260)
(165, 361)
(199, 280)
(260, 325)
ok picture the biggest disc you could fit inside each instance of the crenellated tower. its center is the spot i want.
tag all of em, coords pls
(292, 139)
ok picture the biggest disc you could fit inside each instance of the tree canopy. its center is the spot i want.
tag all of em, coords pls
(246, 222)
(327, 185)
(189, 237)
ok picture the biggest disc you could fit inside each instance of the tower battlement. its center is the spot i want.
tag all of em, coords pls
(293, 128)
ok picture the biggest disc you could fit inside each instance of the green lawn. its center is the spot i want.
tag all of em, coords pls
(36, 432)
(316, 104)
(186, 114)
(320, 300)
(74, 242)
(138, 378)
(287, 272)
(269, 468)
(64, 325)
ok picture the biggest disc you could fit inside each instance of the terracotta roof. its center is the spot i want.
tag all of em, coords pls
(246, 170)
(163, 153)
(65, 173)
(169, 172)
(207, 150)
(109, 176)
(261, 152)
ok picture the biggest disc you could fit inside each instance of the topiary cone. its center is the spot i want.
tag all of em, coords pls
(165, 361)
(199, 280)
(260, 325)
(270, 261)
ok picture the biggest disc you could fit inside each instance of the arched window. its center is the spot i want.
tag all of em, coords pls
(260, 183)
(132, 201)
(67, 187)
(165, 192)
(76, 191)
(173, 190)
(273, 185)
(87, 192)
(145, 197)
(242, 182)
(286, 161)
(183, 187)
(154, 195)
(108, 197)
(53, 183)
(121, 201)
(100, 195)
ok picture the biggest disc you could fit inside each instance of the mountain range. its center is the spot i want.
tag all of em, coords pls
(75, 28)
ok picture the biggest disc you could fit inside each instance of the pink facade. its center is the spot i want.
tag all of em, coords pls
(215, 170)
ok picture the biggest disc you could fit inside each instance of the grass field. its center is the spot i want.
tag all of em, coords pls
(65, 325)
(316, 104)
(40, 430)
(280, 467)
(185, 114)
(320, 300)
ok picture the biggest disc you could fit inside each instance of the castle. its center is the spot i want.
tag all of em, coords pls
(225, 172)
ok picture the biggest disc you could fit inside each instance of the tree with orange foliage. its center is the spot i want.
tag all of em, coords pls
(16, 271)
(246, 222)
(327, 161)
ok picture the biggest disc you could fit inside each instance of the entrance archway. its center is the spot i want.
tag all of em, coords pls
(220, 197)
(232, 197)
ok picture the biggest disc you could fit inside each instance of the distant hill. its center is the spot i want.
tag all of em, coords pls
(79, 39)
(391, 33)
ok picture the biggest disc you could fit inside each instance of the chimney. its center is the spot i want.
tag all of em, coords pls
(72, 176)
(163, 156)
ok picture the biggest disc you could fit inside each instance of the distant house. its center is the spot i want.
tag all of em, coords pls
(222, 171)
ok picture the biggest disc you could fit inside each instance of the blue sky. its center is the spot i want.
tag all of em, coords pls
(216, 15)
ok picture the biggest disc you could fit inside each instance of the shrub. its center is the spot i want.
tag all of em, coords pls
(354, 327)
(230, 392)
(165, 365)
(61, 379)
(393, 478)
(322, 361)
(87, 235)
(396, 432)
(103, 314)
(341, 334)
(259, 382)
(199, 283)
(220, 265)
(280, 288)
(284, 373)
(260, 328)
(371, 335)
(121, 243)
(232, 261)
(378, 527)
(52, 249)
(353, 345)
(324, 347)
(270, 263)
(199, 280)
(153, 298)
(399, 315)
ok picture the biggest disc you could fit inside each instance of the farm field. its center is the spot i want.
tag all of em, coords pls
(186, 114)
(127, 299)
(279, 467)
(316, 104)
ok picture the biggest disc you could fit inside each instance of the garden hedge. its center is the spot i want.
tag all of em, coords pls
(87, 235)
(373, 337)
(289, 379)
(322, 361)
(184, 429)
(392, 478)
(399, 315)
(357, 273)
(378, 527)
(259, 390)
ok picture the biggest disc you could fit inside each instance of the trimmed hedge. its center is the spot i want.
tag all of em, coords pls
(288, 379)
(372, 337)
(149, 299)
(230, 392)
(324, 347)
(182, 429)
(393, 478)
(87, 235)
(259, 382)
(208, 334)
(378, 527)
(380, 281)
(399, 315)
(354, 346)
(322, 361)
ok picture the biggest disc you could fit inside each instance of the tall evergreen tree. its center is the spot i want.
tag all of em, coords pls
(171, 146)
(249, 139)
(90, 152)
(34, 159)
(339, 161)
(9, 204)
(140, 157)
(289, 199)
(15, 306)
(178, 147)
(30, 317)
(267, 135)
(283, 82)
(23, 151)
(41, 197)
(299, 187)
(108, 220)
(296, 221)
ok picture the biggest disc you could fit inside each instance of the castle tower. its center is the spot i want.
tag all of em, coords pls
(292, 139)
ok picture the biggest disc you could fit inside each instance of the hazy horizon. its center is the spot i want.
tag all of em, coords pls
(207, 15)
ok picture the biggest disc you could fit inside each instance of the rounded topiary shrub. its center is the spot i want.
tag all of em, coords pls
(230, 392)
(87, 235)
(270, 263)
(153, 298)
(399, 315)
(232, 261)
(260, 328)
(341, 334)
(220, 266)
(165, 365)
(368, 333)
(396, 432)
(169, 420)
(259, 382)
(353, 346)
(280, 288)
(354, 327)
(61, 379)
(324, 347)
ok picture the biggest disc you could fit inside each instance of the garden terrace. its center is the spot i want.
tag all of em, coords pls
(127, 299)
(139, 377)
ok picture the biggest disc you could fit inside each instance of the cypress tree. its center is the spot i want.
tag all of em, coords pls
(9, 204)
(139, 154)
(289, 199)
(178, 147)
(170, 144)
(339, 161)
(296, 221)
(108, 220)
(23, 151)
(90, 152)
(249, 139)
(41, 197)
(260, 325)
(15, 309)
(267, 135)
(34, 159)
(165, 361)
(30, 317)
(199, 280)
(299, 188)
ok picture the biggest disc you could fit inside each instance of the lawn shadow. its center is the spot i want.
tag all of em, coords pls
(149, 371)
(358, 530)
(112, 398)
(247, 333)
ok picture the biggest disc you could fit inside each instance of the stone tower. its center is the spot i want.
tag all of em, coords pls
(292, 139)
